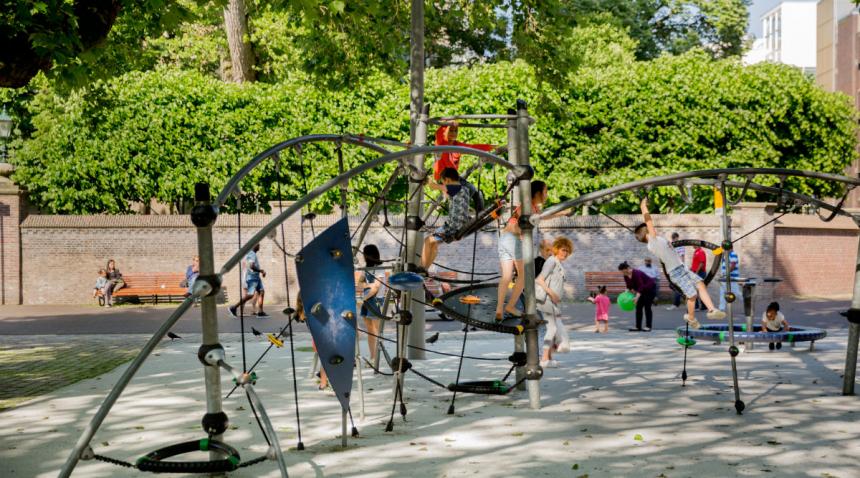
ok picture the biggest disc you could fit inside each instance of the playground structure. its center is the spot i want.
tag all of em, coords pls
(332, 314)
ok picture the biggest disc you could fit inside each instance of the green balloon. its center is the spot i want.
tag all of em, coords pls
(625, 301)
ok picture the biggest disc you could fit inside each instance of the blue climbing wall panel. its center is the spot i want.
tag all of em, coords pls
(327, 282)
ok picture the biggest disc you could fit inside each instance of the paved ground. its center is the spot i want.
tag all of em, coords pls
(55, 357)
(614, 408)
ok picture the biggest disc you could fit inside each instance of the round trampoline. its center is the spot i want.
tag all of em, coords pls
(475, 305)
(720, 333)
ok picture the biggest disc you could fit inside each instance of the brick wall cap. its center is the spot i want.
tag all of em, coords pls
(132, 221)
(808, 221)
(754, 205)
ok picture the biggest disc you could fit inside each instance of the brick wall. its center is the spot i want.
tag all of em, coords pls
(814, 258)
(61, 254)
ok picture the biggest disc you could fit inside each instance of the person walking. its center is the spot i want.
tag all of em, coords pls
(735, 274)
(253, 286)
(700, 261)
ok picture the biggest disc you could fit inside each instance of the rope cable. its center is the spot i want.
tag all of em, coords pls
(241, 305)
(468, 314)
(470, 357)
(289, 304)
(616, 221)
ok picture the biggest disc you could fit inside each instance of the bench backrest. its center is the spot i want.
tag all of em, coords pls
(154, 280)
(437, 288)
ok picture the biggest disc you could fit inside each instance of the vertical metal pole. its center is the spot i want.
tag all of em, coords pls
(344, 213)
(418, 135)
(513, 158)
(749, 310)
(344, 186)
(727, 248)
(358, 364)
(211, 375)
(414, 242)
(381, 332)
(533, 369)
(849, 377)
(343, 437)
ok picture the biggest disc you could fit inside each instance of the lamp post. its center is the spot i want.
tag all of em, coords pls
(5, 129)
(5, 132)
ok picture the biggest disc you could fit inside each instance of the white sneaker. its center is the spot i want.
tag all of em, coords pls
(692, 321)
(716, 314)
(672, 307)
(544, 363)
(552, 364)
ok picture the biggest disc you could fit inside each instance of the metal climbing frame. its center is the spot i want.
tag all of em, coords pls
(719, 178)
(208, 283)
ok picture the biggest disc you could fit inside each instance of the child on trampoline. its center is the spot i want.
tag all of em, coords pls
(772, 320)
(458, 216)
(510, 249)
(549, 288)
(601, 310)
(689, 283)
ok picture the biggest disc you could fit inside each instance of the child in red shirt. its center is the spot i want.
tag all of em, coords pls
(447, 136)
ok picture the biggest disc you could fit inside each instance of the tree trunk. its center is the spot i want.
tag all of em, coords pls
(238, 40)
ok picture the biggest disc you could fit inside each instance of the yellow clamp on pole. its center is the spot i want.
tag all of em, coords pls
(717, 251)
(275, 341)
(718, 201)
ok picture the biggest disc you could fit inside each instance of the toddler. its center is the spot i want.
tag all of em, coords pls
(601, 310)
(101, 282)
(772, 320)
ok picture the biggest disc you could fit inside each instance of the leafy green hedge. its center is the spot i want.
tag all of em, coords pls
(155, 134)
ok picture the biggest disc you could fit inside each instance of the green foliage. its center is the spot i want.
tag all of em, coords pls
(689, 112)
(155, 134)
(67, 38)
(673, 26)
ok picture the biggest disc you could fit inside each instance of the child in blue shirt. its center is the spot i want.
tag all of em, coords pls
(101, 282)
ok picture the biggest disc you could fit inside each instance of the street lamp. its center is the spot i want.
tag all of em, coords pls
(5, 129)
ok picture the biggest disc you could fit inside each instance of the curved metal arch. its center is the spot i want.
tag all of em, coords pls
(774, 190)
(337, 180)
(363, 141)
(678, 179)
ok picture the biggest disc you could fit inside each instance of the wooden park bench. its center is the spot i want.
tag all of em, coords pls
(153, 286)
(614, 282)
(438, 288)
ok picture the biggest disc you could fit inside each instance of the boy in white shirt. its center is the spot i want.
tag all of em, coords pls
(689, 283)
(772, 320)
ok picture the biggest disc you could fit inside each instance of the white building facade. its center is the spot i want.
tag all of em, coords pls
(788, 35)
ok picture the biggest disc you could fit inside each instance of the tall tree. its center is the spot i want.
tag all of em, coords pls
(63, 36)
(238, 41)
(342, 41)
